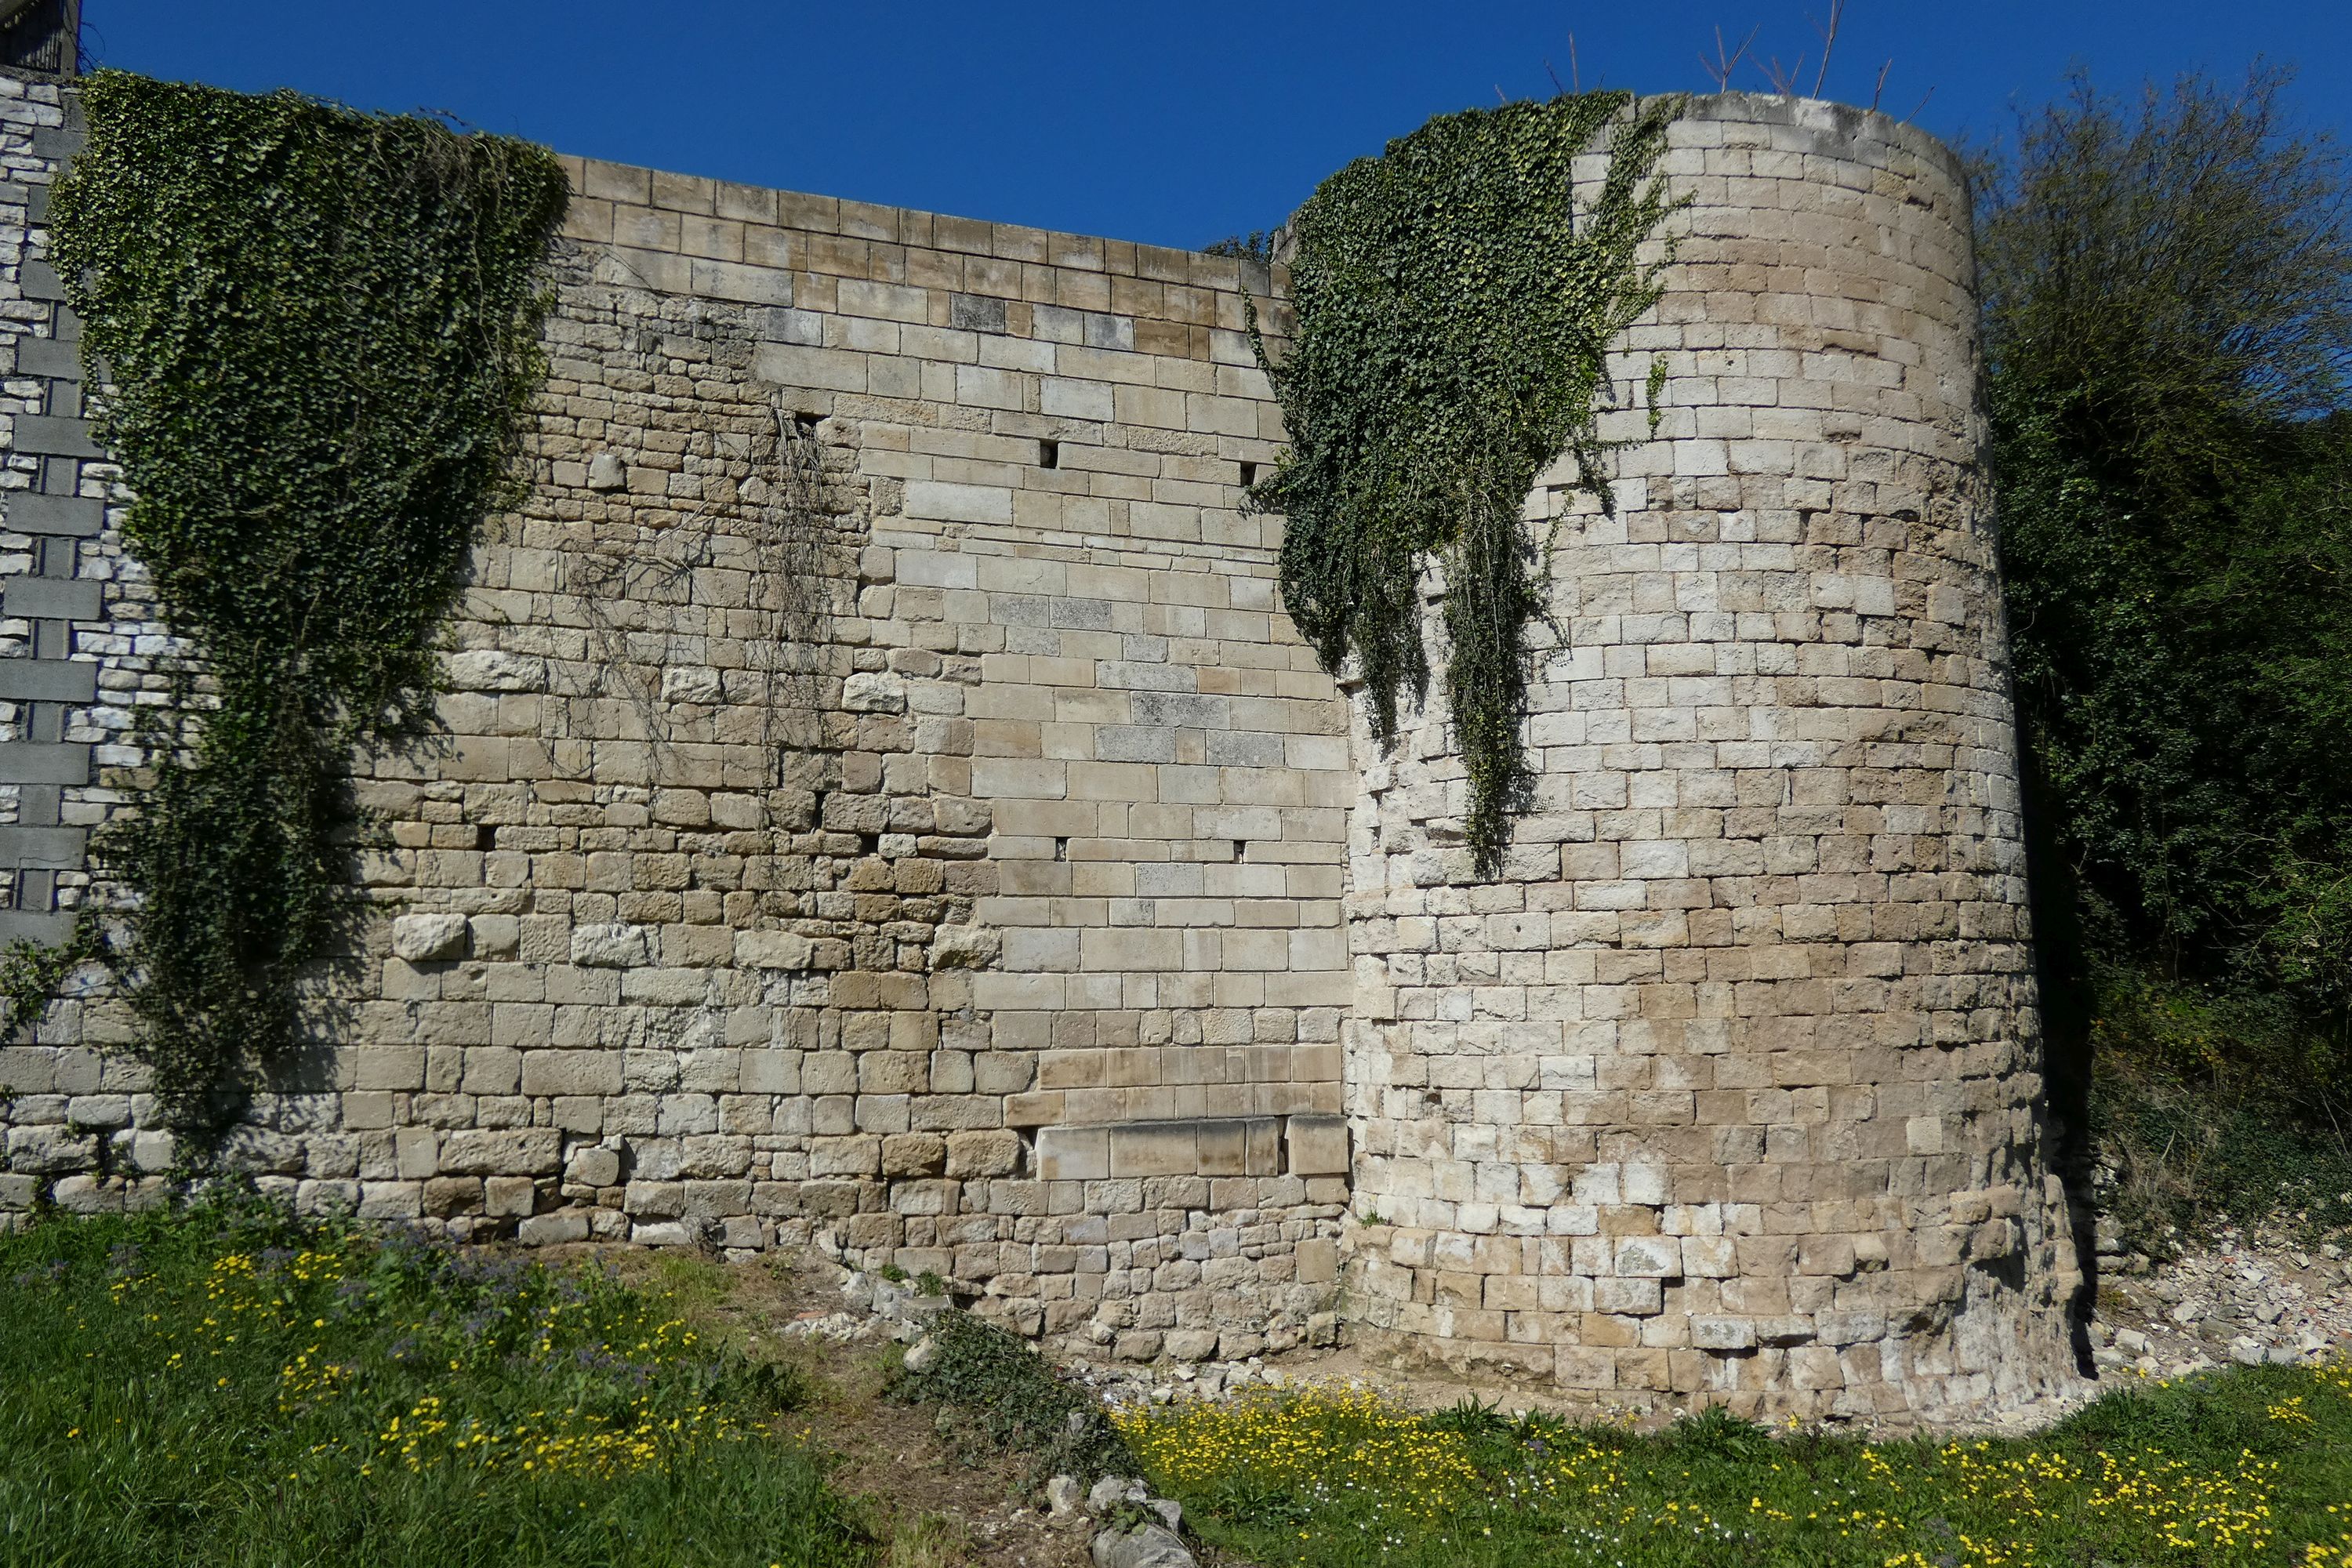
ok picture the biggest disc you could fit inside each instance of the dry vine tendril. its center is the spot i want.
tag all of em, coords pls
(1453, 310)
(320, 332)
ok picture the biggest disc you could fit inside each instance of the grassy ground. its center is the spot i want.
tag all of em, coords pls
(227, 1387)
(2254, 1467)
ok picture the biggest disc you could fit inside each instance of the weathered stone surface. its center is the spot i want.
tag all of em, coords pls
(474, 1152)
(873, 692)
(487, 669)
(429, 938)
(548, 1229)
(611, 946)
(966, 947)
(1145, 1546)
(1674, 1067)
(773, 950)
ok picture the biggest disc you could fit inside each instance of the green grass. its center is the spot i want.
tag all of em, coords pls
(2252, 1466)
(223, 1385)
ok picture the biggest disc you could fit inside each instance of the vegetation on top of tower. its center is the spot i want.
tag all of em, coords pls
(1454, 308)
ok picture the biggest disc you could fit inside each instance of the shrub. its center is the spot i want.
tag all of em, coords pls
(996, 1395)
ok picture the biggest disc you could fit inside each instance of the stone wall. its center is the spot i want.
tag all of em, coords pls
(1729, 1087)
(880, 802)
(883, 807)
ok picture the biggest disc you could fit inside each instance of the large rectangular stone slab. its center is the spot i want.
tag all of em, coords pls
(48, 436)
(47, 680)
(75, 517)
(50, 358)
(32, 763)
(50, 599)
(49, 848)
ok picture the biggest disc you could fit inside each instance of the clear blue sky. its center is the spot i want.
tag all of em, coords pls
(1175, 124)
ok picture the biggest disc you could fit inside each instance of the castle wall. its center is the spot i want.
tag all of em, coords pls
(882, 807)
(1728, 1087)
(880, 802)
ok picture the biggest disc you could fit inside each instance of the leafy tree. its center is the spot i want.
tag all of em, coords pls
(2168, 287)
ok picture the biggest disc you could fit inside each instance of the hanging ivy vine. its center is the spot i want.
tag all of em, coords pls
(319, 329)
(1454, 307)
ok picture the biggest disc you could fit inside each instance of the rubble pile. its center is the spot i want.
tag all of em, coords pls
(2250, 1294)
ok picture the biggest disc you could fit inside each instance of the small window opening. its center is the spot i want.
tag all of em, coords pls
(805, 425)
(1061, 848)
(1249, 475)
(1241, 849)
(869, 844)
(486, 837)
(1049, 453)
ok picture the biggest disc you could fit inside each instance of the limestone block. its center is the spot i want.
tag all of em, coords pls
(1709, 1257)
(534, 1151)
(429, 938)
(983, 1153)
(773, 950)
(548, 1229)
(590, 1165)
(1143, 1546)
(914, 1154)
(1318, 1145)
(1722, 1333)
(571, 1072)
(1072, 1153)
(487, 669)
(690, 683)
(390, 1200)
(84, 1194)
(1154, 1148)
(653, 1199)
(1648, 1257)
(416, 1152)
(495, 936)
(446, 1196)
(611, 946)
(966, 947)
(873, 692)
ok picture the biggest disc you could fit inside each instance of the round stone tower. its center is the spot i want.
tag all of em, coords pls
(1729, 1089)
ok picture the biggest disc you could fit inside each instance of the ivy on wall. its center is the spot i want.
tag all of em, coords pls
(320, 332)
(1453, 308)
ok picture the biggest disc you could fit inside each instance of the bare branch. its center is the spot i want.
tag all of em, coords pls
(1723, 65)
(1880, 90)
(1829, 42)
